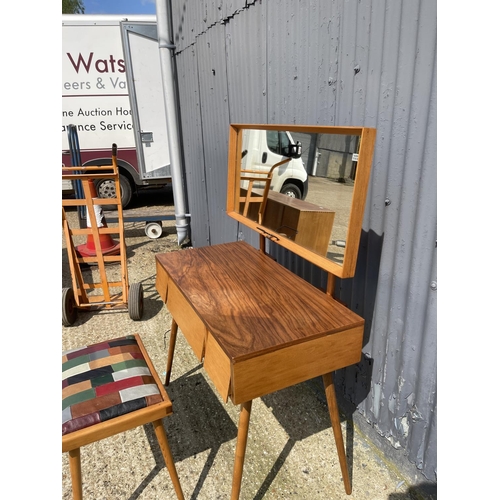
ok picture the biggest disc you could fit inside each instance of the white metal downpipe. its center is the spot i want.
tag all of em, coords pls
(167, 72)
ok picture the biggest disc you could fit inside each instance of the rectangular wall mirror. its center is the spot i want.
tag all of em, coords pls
(302, 187)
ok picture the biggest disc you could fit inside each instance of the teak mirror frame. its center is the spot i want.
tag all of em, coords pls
(367, 144)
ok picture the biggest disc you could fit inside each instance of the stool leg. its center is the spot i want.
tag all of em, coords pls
(337, 431)
(171, 347)
(161, 435)
(76, 473)
(241, 445)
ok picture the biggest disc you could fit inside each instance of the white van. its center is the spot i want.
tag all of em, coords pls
(109, 105)
(261, 149)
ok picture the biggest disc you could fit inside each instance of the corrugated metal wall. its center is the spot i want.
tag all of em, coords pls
(346, 62)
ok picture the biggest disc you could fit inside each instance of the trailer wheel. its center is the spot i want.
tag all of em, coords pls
(135, 301)
(153, 229)
(106, 189)
(68, 307)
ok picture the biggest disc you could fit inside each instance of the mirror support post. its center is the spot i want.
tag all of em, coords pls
(330, 286)
(262, 243)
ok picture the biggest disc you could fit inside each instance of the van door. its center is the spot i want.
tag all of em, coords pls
(268, 147)
(270, 152)
(142, 60)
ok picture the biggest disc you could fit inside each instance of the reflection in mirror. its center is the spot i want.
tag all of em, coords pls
(300, 185)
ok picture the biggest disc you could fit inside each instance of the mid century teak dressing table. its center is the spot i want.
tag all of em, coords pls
(257, 326)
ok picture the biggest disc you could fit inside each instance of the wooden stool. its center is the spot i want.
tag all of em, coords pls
(108, 388)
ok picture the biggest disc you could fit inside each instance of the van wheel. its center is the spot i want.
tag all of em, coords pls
(291, 190)
(106, 189)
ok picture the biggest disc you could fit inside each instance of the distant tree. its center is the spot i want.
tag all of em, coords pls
(73, 7)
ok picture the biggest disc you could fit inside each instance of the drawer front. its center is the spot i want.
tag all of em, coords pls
(190, 324)
(291, 365)
(161, 282)
(218, 366)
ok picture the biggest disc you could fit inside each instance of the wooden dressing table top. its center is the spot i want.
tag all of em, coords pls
(250, 303)
(260, 315)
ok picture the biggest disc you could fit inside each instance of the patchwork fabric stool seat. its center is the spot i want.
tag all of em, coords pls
(108, 388)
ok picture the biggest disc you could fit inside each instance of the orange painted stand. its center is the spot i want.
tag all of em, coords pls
(100, 250)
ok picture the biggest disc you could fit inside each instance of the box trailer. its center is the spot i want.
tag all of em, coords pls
(112, 92)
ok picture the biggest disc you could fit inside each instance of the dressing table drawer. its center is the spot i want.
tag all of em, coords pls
(218, 366)
(296, 363)
(189, 322)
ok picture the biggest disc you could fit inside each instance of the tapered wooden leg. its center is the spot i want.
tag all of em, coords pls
(76, 473)
(167, 455)
(171, 347)
(241, 446)
(337, 431)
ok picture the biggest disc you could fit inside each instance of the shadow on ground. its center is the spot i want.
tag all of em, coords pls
(199, 423)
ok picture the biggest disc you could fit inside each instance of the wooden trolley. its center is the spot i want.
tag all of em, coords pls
(100, 252)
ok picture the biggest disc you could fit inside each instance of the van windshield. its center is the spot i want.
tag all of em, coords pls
(278, 142)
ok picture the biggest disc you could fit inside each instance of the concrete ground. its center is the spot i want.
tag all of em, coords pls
(291, 450)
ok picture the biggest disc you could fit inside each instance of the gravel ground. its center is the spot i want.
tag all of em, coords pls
(291, 450)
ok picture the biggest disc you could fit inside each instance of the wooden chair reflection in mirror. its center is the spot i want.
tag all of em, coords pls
(250, 194)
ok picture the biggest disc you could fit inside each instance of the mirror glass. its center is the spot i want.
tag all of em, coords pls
(296, 186)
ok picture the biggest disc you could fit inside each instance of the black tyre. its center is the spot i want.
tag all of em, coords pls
(291, 190)
(106, 189)
(68, 307)
(135, 301)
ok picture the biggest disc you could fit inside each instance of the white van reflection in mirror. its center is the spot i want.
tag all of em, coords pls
(261, 149)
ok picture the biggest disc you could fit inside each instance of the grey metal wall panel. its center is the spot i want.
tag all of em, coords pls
(193, 18)
(210, 11)
(193, 146)
(337, 63)
(402, 337)
(302, 61)
(247, 83)
(247, 67)
(186, 23)
(215, 120)
(230, 7)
